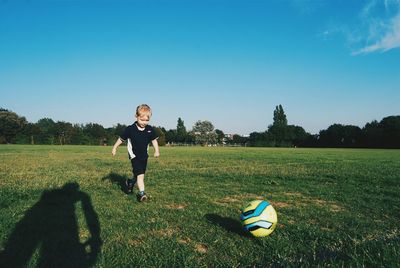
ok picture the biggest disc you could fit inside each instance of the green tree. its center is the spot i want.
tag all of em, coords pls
(297, 135)
(338, 135)
(47, 130)
(204, 133)
(237, 139)
(78, 136)
(32, 132)
(279, 128)
(63, 132)
(279, 116)
(118, 129)
(220, 136)
(96, 133)
(10, 125)
(170, 136)
(391, 131)
(373, 134)
(181, 132)
(161, 135)
(261, 139)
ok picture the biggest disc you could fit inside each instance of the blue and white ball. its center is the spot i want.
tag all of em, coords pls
(259, 218)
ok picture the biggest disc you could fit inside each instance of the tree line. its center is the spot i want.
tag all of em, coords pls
(383, 134)
(16, 129)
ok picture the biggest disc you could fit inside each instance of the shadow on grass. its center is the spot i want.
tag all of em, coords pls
(117, 179)
(228, 224)
(50, 228)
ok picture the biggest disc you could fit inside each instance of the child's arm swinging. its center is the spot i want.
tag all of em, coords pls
(115, 147)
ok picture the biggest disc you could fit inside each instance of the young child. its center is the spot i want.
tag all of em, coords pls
(138, 136)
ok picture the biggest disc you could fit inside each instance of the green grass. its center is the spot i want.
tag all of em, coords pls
(338, 207)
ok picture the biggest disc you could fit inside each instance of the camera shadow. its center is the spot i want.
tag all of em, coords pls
(50, 227)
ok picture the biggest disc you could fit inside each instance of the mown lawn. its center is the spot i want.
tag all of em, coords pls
(64, 205)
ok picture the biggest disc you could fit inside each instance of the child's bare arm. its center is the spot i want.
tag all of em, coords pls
(117, 143)
(156, 149)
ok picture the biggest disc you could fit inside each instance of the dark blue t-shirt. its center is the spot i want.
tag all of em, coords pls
(138, 140)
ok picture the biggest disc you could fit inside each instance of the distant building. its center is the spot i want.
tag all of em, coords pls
(229, 136)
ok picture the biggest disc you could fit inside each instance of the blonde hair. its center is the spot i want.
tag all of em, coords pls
(143, 109)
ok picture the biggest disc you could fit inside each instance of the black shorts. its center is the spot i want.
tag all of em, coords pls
(138, 166)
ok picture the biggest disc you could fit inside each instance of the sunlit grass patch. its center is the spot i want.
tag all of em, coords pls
(335, 207)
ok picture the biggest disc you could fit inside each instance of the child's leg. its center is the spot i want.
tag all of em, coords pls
(140, 182)
(139, 169)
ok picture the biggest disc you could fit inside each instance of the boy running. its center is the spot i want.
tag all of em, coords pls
(138, 136)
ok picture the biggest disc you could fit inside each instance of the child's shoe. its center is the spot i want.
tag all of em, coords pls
(142, 197)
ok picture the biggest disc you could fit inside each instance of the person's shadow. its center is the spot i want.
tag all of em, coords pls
(119, 180)
(50, 227)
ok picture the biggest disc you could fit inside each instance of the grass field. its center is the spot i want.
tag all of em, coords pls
(64, 205)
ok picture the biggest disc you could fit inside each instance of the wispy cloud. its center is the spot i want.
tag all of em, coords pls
(380, 30)
(376, 28)
(384, 40)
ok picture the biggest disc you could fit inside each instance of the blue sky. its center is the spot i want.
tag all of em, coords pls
(227, 61)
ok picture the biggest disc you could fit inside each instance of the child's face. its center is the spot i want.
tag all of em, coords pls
(143, 120)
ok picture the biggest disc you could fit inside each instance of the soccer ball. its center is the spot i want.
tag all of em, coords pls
(259, 218)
